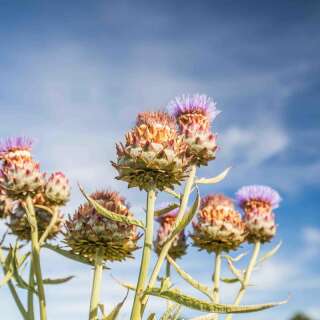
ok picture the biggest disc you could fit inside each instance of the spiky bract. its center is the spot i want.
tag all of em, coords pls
(219, 226)
(154, 154)
(87, 231)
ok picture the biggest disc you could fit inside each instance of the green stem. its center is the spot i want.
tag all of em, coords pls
(30, 293)
(216, 280)
(96, 286)
(13, 291)
(167, 246)
(247, 276)
(36, 256)
(46, 233)
(168, 269)
(146, 255)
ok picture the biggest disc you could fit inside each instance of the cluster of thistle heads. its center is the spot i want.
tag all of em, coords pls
(158, 153)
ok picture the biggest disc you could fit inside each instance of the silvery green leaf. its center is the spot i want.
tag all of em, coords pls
(165, 284)
(112, 215)
(270, 253)
(169, 208)
(238, 273)
(68, 254)
(57, 280)
(201, 305)
(229, 280)
(172, 192)
(186, 219)
(194, 283)
(237, 258)
(6, 278)
(215, 179)
(172, 312)
(115, 312)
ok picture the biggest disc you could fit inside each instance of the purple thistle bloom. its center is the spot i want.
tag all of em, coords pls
(257, 192)
(15, 143)
(197, 103)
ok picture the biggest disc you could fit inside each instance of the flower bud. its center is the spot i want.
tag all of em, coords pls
(257, 203)
(57, 189)
(87, 231)
(219, 226)
(179, 244)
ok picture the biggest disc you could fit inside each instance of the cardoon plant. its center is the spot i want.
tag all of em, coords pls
(161, 151)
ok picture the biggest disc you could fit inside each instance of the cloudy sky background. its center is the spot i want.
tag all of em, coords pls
(75, 73)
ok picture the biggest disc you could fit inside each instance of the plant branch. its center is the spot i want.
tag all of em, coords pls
(146, 255)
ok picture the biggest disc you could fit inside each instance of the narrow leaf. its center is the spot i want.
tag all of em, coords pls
(115, 312)
(112, 215)
(194, 283)
(201, 305)
(270, 253)
(215, 179)
(229, 280)
(169, 208)
(237, 258)
(68, 254)
(186, 219)
(172, 192)
(6, 278)
(58, 280)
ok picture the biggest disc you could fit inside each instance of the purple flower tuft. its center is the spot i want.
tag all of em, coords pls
(257, 192)
(193, 104)
(15, 143)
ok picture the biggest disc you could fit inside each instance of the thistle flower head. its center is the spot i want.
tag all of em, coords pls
(167, 223)
(19, 224)
(257, 203)
(57, 189)
(87, 231)
(258, 194)
(154, 154)
(21, 179)
(193, 104)
(218, 227)
(194, 115)
(16, 148)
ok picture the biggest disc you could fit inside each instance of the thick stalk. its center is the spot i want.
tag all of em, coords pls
(167, 246)
(30, 293)
(96, 286)
(216, 280)
(36, 257)
(247, 276)
(146, 255)
(13, 291)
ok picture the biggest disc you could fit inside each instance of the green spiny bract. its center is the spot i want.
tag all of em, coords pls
(57, 189)
(22, 179)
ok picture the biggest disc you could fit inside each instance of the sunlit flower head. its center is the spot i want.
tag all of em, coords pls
(258, 193)
(199, 104)
(15, 148)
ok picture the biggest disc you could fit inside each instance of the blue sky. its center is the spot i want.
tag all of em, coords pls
(75, 73)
